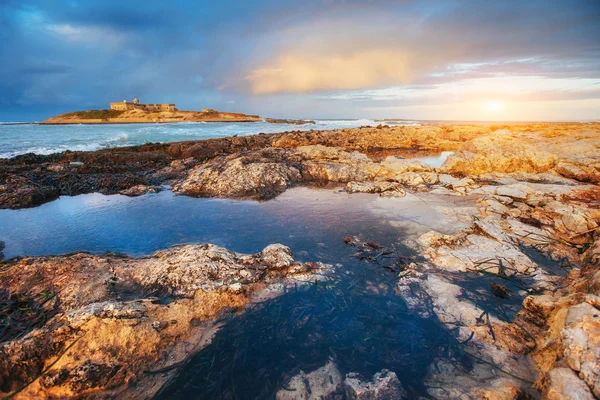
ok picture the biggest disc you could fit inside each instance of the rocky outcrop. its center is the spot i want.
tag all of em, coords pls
(563, 149)
(466, 272)
(261, 174)
(99, 322)
(502, 153)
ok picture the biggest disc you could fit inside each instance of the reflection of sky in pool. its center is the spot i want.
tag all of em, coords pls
(299, 218)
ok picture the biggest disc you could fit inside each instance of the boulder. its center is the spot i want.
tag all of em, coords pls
(239, 178)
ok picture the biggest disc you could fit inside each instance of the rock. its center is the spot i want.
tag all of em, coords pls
(160, 325)
(581, 173)
(593, 300)
(455, 183)
(236, 287)
(564, 384)
(384, 386)
(318, 171)
(103, 330)
(325, 153)
(430, 178)
(324, 382)
(570, 219)
(295, 389)
(495, 206)
(399, 166)
(84, 376)
(277, 256)
(410, 179)
(518, 192)
(541, 306)
(581, 337)
(240, 177)
(317, 385)
(594, 282)
(507, 153)
(139, 190)
(504, 200)
(389, 189)
(499, 290)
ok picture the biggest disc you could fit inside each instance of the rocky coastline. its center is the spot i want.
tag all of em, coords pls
(535, 225)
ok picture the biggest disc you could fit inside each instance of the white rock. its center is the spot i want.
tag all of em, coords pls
(384, 386)
(565, 385)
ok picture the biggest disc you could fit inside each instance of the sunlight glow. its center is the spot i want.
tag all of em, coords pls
(493, 106)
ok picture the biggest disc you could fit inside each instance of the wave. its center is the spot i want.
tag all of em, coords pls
(356, 122)
(52, 150)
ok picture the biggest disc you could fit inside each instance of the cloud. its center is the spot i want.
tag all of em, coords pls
(87, 34)
(317, 58)
(370, 48)
(308, 73)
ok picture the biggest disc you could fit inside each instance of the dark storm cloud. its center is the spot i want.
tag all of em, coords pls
(65, 55)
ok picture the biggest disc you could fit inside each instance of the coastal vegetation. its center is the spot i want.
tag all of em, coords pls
(95, 114)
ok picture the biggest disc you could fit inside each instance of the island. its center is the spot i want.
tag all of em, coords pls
(134, 112)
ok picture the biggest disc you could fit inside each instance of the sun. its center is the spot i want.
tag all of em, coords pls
(493, 106)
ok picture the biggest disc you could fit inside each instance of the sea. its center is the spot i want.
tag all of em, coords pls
(22, 138)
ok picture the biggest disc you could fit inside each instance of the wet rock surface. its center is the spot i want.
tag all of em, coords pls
(87, 325)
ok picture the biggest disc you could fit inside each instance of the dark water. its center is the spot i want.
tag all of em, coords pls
(355, 318)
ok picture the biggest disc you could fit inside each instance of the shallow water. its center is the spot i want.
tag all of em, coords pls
(18, 139)
(302, 218)
(436, 161)
(356, 318)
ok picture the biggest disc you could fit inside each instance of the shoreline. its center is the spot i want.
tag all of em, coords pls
(514, 225)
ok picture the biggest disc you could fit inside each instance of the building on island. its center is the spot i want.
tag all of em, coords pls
(136, 105)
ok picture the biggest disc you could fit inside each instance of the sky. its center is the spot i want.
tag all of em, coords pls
(434, 60)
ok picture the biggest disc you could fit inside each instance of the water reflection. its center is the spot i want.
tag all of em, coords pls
(355, 319)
